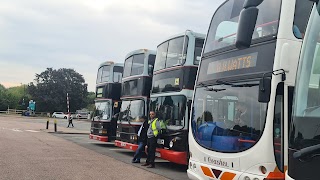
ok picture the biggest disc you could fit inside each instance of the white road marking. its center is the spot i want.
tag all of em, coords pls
(32, 131)
(121, 150)
(18, 130)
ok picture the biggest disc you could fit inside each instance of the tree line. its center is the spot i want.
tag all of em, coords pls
(49, 90)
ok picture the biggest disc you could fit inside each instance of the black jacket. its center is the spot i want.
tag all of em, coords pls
(143, 135)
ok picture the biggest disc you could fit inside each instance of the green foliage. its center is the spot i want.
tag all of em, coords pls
(90, 101)
(13, 97)
(51, 88)
(3, 98)
(18, 96)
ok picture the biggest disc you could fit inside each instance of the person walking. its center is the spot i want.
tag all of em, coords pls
(152, 133)
(142, 140)
(70, 120)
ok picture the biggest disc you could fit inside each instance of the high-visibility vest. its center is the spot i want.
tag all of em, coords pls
(154, 127)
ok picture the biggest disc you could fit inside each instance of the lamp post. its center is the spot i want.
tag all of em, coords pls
(24, 94)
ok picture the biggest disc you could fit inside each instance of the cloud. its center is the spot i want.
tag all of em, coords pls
(81, 34)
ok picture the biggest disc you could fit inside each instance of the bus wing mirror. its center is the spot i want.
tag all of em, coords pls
(264, 90)
(247, 23)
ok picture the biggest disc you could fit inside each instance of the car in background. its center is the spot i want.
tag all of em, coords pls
(60, 115)
(82, 115)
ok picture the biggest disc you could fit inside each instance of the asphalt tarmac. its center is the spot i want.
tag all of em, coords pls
(29, 151)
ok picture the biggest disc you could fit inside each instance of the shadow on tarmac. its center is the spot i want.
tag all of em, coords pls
(104, 145)
(60, 132)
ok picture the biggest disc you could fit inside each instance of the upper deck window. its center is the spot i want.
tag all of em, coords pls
(171, 53)
(103, 74)
(198, 50)
(151, 61)
(224, 24)
(99, 75)
(117, 74)
(134, 65)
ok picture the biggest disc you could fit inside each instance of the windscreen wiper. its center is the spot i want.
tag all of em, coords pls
(306, 151)
(224, 82)
(214, 89)
(210, 89)
(203, 85)
(244, 85)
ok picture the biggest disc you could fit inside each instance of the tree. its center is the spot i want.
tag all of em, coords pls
(3, 98)
(12, 97)
(51, 87)
(90, 101)
(18, 98)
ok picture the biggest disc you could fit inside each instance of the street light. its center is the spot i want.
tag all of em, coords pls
(24, 94)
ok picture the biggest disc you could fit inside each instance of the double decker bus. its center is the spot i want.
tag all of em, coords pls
(244, 90)
(136, 86)
(174, 75)
(304, 135)
(107, 102)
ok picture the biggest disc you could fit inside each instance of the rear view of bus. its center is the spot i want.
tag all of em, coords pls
(244, 88)
(107, 102)
(172, 88)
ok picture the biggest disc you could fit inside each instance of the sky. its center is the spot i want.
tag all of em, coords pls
(81, 34)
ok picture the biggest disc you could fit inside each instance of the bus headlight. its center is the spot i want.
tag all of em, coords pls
(133, 137)
(171, 144)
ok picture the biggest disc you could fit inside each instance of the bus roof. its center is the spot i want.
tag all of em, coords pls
(187, 32)
(140, 51)
(109, 63)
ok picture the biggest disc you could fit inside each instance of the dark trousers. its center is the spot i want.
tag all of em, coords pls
(70, 123)
(152, 144)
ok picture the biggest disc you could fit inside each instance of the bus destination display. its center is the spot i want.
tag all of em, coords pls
(234, 63)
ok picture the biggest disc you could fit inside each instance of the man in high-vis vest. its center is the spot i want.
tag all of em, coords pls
(152, 134)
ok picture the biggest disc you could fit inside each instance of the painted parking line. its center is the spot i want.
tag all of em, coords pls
(32, 131)
(127, 150)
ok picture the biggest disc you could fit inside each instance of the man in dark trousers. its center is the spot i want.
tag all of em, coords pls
(70, 120)
(142, 140)
(152, 133)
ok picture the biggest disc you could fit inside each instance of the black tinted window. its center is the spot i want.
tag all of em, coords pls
(151, 61)
(198, 50)
(301, 16)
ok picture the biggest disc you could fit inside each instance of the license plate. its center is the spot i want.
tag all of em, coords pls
(123, 144)
(160, 141)
(158, 154)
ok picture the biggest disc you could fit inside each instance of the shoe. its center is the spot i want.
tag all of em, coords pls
(135, 161)
(145, 164)
(151, 166)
